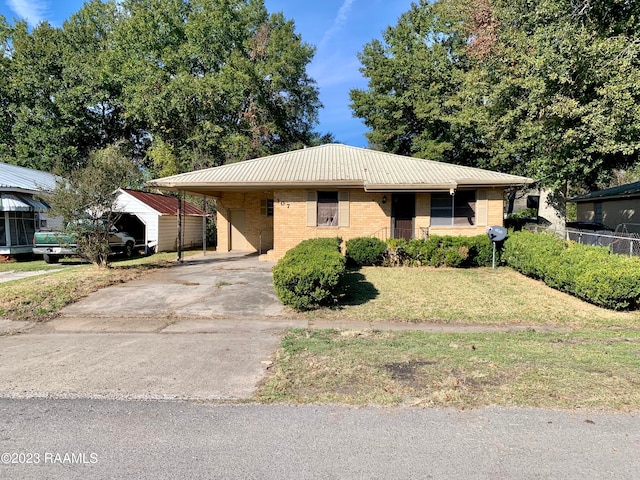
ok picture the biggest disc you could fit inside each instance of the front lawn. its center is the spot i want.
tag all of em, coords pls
(586, 369)
(591, 362)
(467, 296)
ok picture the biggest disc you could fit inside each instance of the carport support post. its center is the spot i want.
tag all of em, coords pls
(204, 225)
(180, 226)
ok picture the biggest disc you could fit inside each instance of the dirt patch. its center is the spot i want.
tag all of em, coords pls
(406, 371)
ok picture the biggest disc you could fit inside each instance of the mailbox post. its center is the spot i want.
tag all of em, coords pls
(496, 234)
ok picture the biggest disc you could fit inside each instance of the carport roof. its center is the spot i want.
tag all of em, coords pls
(163, 204)
(337, 165)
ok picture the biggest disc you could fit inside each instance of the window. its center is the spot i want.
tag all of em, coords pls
(458, 209)
(597, 212)
(533, 201)
(441, 205)
(22, 227)
(328, 209)
(465, 208)
(327, 214)
(266, 207)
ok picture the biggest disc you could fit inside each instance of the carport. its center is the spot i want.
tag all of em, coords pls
(152, 219)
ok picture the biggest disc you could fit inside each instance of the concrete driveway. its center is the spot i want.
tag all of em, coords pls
(223, 286)
(204, 329)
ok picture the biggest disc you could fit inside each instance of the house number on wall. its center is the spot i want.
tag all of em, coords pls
(284, 203)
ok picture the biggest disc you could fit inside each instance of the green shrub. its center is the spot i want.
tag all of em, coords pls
(445, 251)
(365, 251)
(396, 253)
(310, 274)
(531, 253)
(590, 273)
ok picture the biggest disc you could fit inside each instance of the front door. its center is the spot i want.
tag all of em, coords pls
(403, 213)
(237, 230)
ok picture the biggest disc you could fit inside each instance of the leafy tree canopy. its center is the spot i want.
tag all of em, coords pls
(544, 88)
(181, 84)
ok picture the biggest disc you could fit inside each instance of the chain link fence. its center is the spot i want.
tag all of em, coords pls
(625, 240)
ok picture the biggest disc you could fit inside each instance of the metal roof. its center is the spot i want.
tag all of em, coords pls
(622, 191)
(163, 204)
(337, 165)
(10, 202)
(25, 180)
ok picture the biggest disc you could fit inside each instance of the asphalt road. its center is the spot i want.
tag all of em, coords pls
(100, 439)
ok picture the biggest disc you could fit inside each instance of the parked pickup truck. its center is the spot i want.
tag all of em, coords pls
(53, 245)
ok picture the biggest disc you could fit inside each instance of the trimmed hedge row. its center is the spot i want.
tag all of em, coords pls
(310, 274)
(445, 251)
(590, 273)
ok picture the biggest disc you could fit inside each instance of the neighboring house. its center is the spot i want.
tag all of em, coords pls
(542, 200)
(21, 213)
(612, 206)
(152, 220)
(274, 202)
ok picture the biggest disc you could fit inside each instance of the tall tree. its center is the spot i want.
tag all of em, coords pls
(36, 81)
(547, 88)
(412, 73)
(184, 83)
(215, 80)
(6, 117)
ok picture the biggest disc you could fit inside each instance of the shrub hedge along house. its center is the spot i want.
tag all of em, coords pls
(270, 204)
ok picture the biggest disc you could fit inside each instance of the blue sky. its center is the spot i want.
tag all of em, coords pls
(338, 28)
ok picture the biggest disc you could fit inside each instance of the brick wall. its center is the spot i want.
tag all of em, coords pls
(368, 216)
(255, 222)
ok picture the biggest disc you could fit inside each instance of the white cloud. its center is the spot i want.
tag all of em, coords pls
(338, 22)
(33, 11)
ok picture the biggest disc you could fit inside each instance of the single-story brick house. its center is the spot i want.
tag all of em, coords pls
(270, 204)
(612, 206)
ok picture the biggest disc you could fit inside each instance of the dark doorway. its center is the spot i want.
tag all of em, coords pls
(403, 212)
(133, 226)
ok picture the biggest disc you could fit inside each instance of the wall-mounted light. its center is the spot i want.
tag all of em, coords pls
(384, 199)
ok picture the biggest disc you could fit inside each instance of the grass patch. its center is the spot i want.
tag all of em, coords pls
(561, 370)
(40, 298)
(36, 265)
(469, 296)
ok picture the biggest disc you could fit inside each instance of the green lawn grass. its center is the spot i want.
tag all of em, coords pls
(592, 363)
(585, 369)
(467, 296)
